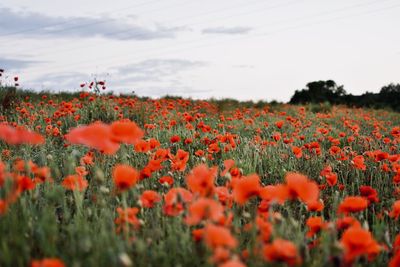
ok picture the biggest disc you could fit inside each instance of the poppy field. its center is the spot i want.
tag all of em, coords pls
(101, 180)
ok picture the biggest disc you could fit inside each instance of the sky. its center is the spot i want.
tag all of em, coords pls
(243, 49)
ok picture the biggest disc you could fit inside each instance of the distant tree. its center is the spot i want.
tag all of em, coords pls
(319, 92)
(328, 91)
(390, 95)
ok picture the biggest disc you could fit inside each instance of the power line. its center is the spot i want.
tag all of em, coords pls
(72, 20)
(143, 34)
(238, 38)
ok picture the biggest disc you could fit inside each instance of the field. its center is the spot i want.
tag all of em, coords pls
(101, 180)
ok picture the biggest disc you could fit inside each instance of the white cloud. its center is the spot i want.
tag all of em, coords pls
(227, 30)
(29, 24)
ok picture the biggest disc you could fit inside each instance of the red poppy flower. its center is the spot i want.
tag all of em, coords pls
(353, 204)
(16, 136)
(149, 198)
(126, 131)
(282, 251)
(201, 180)
(357, 242)
(301, 187)
(96, 135)
(395, 213)
(124, 177)
(204, 209)
(75, 182)
(48, 262)
(219, 236)
(245, 188)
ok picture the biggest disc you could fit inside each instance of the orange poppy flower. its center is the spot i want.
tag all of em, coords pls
(179, 160)
(346, 222)
(228, 164)
(279, 124)
(357, 242)
(142, 146)
(96, 135)
(197, 234)
(334, 150)
(204, 209)
(358, 162)
(127, 218)
(175, 200)
(265, 228)
(353, 204)
(219, 236)
(330, 176)
(299, 186)
(315, 225)
(149, 198)
(297, 151)
(126, 131)
(124, 176)
(245, 188)
(16, 136)
(201, 179)
(395, 261)
(75, 182)
(282, 251)
(48, 262)
(369, 193)
(278, 193)
(315, 206)
(232, 263)
(25, 183)
(166, 180)
(3, 206)
(395, 213)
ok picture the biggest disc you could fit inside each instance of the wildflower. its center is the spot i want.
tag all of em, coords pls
(168, 180)
(204, 209)
(301, 187)
(357, 242)
(369, 193)
(96, 135)
(180, 160)
(175, 200)
(175, 139)
(232, 263)
(315, 225)
(149, 198)
(346, 222)
(3, 206)
(353, 204)
(279, 124)
(228, 164)
(126, 131)
(282, 251)
(358, 162)
(75, 182)
(47, 262)
(124, 177)
(127, 218)
(297, 151)
(245, 188)
(16, 136)
(201, 180)
(219, 236)
(395, 213)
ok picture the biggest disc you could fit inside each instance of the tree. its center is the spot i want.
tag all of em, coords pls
(318, 92)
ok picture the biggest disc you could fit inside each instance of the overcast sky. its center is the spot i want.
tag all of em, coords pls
(244, 49)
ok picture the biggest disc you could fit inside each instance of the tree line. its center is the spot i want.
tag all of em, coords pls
(328, 91)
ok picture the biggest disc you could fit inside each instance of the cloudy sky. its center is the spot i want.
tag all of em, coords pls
(245, 49)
